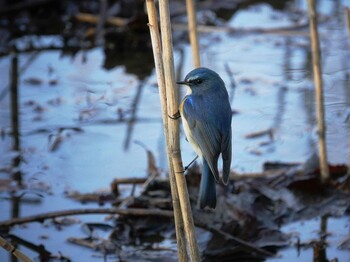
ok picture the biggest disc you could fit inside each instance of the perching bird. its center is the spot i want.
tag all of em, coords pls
(206, 116)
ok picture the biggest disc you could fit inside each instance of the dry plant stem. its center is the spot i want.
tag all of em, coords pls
(288, 30)
(99, 36)
(129, 180)
(158, 60)
(192, 30)
(317, 71)
(173, 125)
(93, 19)
(14, 251)
(84, 211)
(347, 17)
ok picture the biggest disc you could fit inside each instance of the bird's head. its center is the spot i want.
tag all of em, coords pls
(201, 79)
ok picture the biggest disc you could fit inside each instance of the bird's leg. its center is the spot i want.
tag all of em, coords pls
(176, 116)
(186, 167)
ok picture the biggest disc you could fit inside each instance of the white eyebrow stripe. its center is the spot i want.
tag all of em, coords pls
(192, 78)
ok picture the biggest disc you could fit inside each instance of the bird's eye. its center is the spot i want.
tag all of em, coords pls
(198, 81)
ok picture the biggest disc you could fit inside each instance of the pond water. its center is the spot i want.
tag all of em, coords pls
(79, 122)
(310, 231)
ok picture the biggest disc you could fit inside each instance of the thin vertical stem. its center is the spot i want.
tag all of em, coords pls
(317, 72)
(347, 17)
(172, 104)
(99, 36)
(192, 30)
(157, 53)
(15, 118)
(14, 102)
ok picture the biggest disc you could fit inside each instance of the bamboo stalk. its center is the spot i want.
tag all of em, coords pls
(173, 125)
(157, 53)
(192, 30)
(14, 251)
(317, 72)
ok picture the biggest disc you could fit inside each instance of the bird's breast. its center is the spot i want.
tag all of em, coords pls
(188, 130)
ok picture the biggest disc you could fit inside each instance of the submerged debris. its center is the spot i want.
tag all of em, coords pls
(246, 225)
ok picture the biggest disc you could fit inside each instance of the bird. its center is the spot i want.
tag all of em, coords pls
(206, 118)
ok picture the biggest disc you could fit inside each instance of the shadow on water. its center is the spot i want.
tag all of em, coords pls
(117, 107)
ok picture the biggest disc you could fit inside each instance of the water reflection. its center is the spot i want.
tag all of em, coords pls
(132, 119)
(319, 247)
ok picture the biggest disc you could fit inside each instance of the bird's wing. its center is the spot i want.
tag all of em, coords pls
(203, 131)
(226, 149)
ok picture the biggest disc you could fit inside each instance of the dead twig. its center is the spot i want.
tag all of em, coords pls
(257, 134)
(129, 180)
(290, 30)
(94, 19)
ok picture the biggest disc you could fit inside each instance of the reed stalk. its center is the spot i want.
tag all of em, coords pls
(173, 125)
(192, 31)
(158, 60)
(347, 17)
(317, 73)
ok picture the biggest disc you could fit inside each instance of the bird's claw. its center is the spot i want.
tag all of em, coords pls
(176, 116)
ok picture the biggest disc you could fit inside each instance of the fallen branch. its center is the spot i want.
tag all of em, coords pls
(114, 211)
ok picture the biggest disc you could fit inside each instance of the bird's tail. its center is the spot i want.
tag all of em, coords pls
(207, 192)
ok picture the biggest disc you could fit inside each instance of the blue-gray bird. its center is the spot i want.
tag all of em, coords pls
(206, 116)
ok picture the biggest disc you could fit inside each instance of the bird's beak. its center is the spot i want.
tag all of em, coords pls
(182, 83)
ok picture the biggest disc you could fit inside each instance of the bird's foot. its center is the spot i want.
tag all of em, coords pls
(176, 116)
(187, 167)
